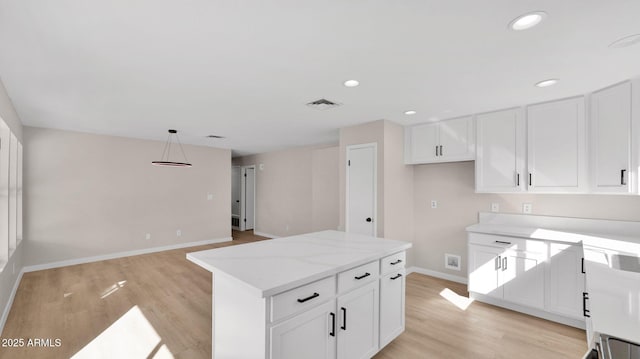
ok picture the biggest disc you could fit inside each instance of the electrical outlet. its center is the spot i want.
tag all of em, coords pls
(286, 228)
(434, 203)
(178, 233)
(209, 196)
(527, 208)
(261, 166)
(147, 236)
(495, 207)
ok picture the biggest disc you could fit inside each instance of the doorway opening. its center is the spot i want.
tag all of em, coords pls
(243, 197)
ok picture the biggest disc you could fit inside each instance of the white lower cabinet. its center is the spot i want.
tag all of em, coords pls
(366, 314)
(358, 325)
(308, 335)
(565, 280)
(392, 287)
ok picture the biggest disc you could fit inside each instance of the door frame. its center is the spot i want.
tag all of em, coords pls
(373, 145)
(243, 196)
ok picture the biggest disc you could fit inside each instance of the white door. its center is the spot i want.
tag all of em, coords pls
(557, 146)
(391, 306)
(522, 279)
(236, 182)
(249, 196)
(361, 189)
(309, 335)
(358, 323)
(5, 136)
(424, 143)
(565, 280)
(500, 152)
(610, 129)
(456, 138)
(484, 264)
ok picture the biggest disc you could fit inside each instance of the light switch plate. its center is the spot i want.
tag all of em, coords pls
(527, 208)
(434, 203)
(495, 207)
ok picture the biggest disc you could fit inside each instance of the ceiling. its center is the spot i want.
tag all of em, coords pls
(245, 69)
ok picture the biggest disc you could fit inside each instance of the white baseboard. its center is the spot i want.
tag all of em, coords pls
(7, 308)
(262, 234)
(136, 252)
(432, 273)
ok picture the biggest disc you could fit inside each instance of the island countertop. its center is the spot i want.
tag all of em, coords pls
(274, 266)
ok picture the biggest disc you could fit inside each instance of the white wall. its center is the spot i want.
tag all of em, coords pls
(296, 191)
(91, 195)
(9, 275)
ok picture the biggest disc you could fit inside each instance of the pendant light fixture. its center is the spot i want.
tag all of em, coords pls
(164, 162)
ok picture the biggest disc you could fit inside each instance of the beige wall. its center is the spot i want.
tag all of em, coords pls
(89, 195)
(289, 187)
(442, 230)
(371, 132)
(12, 269)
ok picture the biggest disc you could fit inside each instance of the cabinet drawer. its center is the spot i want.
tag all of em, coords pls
(302, 298)
(393, 262)
(509, 243)
(357, 276)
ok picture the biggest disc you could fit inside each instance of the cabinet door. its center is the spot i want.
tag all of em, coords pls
(565, 280)
(308, 335)
(484, 263)
(423, 140)
(556, 146)
(392, 296)
(522, 279)
(456, 139)
(610, 139)
(500, 152)
(358, 313)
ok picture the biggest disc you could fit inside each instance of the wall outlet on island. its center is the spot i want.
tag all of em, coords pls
(527, 208)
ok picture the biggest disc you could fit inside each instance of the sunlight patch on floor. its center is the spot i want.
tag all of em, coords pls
(107, 292)
(131, 336)
(456, 299)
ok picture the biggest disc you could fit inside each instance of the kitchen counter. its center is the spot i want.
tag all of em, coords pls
(613, 294)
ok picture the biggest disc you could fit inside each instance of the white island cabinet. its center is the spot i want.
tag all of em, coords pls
(320, 295)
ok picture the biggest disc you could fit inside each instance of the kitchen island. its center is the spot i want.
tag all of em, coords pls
(326, 294)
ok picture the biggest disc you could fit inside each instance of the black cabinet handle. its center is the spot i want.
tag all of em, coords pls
(440, 150)
(583, 266)
(529, 179)
(517, 179)
(622, 182)
(396, 276)
(498, 262)
(344, 318)
(314, 295)
(504, 264)
(436, 151)
(502, 242)
(363, 276)
(585, 311)
(396, 262)
(333, 325)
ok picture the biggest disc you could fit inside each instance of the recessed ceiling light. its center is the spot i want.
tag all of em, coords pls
(351, 83)
(410, 112)
(625, 41)
(527, 21)
(547, 83)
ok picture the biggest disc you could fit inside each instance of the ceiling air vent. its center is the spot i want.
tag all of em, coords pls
(323, 104)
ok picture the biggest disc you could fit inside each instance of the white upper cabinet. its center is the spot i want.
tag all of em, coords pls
(611, 139)
(556, 139)
(444, 141)
(500, 152)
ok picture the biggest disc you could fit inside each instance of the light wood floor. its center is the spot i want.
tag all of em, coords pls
(95, 304)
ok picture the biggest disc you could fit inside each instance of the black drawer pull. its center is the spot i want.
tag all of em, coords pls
(314, 295)
(585, 311)
(396, 276)
(503, 242)
(363, 276)
(396, 262)
(583, 266)
(344, 318)
(333, 325)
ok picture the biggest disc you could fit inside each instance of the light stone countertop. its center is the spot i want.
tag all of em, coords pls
(273, 266)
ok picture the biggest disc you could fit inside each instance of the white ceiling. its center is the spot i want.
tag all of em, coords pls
(244, 69)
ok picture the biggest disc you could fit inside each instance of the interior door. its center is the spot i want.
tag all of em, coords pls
(361, 189)
(235, 190)
(249, 198)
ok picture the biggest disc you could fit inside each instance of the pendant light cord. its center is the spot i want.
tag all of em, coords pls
(182, 149)
(164, 152)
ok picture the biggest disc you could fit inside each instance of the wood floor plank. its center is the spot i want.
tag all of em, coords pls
(79, 303)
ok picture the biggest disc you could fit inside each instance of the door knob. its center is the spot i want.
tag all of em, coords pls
(238, 201)
(368, 219)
